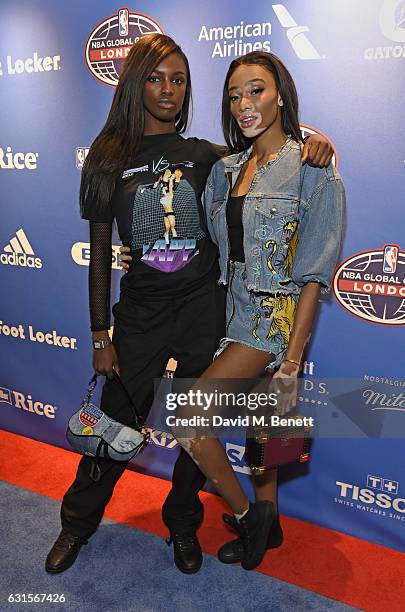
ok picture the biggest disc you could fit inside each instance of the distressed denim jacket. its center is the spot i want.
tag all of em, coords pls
(292, 220)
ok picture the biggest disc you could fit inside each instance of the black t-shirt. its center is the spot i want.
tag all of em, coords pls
(159, 214)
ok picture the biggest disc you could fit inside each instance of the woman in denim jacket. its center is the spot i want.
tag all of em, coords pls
(278, 225)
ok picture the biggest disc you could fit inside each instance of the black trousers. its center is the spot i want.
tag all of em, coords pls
(145, 336)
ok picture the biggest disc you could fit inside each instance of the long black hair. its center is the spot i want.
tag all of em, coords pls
(286, 88)
(119, 140)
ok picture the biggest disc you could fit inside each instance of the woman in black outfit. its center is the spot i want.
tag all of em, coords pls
(141, 172)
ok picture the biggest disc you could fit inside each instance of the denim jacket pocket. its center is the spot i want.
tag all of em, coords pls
(275, 206)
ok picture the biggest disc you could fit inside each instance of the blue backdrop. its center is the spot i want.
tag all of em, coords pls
(58, 62)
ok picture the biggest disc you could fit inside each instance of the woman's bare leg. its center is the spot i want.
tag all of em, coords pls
(236, 362)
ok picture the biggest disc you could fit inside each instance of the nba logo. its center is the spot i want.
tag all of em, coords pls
(123, 22)
(390, 258)
(81, 154)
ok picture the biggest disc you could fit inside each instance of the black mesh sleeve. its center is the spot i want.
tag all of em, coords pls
(100, 275)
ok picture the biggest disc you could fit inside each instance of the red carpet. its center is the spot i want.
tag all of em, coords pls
(355, 572)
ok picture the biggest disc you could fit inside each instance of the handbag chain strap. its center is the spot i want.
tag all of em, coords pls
(92, 386)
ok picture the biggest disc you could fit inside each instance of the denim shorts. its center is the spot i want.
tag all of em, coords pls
(263, 321)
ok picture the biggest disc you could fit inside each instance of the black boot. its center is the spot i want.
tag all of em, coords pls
(187, 552)
(64, 552)
(231, 552)
(254, 528)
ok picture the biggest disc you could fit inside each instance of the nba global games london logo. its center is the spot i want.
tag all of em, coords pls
(371, 285)
(111, 40)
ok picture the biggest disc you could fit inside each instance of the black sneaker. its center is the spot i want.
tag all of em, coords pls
(254, 528)
(231, 552)
(187, 552)
(64, 552)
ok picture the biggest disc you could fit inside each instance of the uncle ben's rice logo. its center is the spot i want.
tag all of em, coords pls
(371, 285)
(111, 40)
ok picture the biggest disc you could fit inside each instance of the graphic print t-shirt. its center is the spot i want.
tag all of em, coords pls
(157, 206)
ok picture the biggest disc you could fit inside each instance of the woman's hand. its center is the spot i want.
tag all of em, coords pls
(105, 361)
(125, 259)
(317, 151)
(285, 384)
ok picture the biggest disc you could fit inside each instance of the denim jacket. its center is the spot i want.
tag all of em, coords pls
(292, 220)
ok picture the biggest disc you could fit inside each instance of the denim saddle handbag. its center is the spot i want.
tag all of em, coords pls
(91, 432)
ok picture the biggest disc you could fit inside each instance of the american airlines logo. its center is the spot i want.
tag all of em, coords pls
(19, 252)
(302, 46)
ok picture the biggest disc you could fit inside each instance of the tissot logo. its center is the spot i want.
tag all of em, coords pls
(17, 399)
(19, 252)
(380, 496)
(383, 484)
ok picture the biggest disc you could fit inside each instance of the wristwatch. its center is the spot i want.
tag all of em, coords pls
(100, 344)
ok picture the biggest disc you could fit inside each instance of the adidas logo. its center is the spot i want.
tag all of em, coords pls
(19, 252)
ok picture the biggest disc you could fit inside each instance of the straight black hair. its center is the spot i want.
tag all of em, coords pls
(119, 140)
(233, 135)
